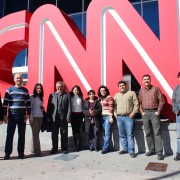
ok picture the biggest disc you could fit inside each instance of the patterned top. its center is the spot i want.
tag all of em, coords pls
(18, 101)
(151, 98)
(107, 106)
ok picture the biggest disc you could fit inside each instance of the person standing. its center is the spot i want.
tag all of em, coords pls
(36, 117)
(59, 113)
(77, 115)
(17, 102)
(1, 111)
(151, 103)
(176, 110)
(92, 111)
(107, 103)
(126, 106)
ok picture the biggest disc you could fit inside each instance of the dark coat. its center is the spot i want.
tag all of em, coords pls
(97, 110)
(65, 107)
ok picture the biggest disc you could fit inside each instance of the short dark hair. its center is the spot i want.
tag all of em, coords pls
(178, 74)
(107, 91)
(146, 75)
(121, 82)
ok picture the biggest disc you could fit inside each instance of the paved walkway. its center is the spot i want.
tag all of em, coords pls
(82, 165)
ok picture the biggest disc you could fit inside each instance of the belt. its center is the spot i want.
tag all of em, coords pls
(154, 109)
(123, 115)
(104, 115)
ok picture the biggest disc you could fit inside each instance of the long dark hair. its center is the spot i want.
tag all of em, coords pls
(79, 89)
(106, 89)
(41, 95)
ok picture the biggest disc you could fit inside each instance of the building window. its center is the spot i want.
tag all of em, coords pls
(34, 4)
(15, 6)
(148, 10)
(1, 8)
(21, 59)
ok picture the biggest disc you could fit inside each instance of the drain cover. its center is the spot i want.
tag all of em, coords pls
(156, 167)
(66, 157)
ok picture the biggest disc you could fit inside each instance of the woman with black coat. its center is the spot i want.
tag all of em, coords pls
(92, 111)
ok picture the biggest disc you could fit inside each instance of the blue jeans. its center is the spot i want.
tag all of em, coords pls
(178, 132)
(125, 129)
(107, 132)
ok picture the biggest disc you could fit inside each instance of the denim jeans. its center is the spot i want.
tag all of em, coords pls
(107, 132)
(178, 132)
(125, 129)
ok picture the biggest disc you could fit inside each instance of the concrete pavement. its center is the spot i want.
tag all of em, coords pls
(82, 165)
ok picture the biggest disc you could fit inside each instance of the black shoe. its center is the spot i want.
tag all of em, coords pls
(65, 152)
(91, 149)
(53, 151)
(21, 156)
(177, 158)
(96, 149)
(104, 151)
(7, 156)
(160, 157)
(123, 152)
(38, 154)
(150, 153)
(132, 155)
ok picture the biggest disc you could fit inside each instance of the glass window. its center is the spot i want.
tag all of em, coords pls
(34, 4)
(70, 6)
(138, 8)
(77, 18)
(15, 6)
(135, 1)
(1, 8)
(84, 26)
(21, 59)
(86, 4)
(151, 16)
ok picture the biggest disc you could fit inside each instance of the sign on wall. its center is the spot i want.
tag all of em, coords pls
(115, 34)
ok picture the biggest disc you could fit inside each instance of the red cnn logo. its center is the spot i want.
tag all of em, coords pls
(115, 34)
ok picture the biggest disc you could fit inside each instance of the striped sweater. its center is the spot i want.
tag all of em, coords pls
(17, 101)
(107, 106)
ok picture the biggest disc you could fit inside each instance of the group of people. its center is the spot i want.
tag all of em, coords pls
(98, 113)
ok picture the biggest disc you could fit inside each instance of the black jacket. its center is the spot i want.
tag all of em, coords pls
(65, 107)
(97, 110)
